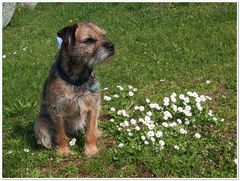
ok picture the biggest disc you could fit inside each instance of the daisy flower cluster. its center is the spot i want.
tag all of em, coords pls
(157, 125)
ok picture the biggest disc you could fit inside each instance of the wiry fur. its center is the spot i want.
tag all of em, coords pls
(66, 108)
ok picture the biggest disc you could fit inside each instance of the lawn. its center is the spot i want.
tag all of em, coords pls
(161, 48)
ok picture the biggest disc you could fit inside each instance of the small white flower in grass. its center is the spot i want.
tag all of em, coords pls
(120, 145)
(197, 135)
(174, 107)
(198, 104)
(186, 99)
(146, 142)
(153, 139)
(116, 96)
(209, 98)
(130, 87)
(165, 118)
(141, 120)
(136, 108)
(180, 109)
(188, 108)
(112, 120)
(173, 99)
(167, 114)
(106, 88)
(119, 129)
(143, 138)
(150, 133)
(130, 134)
(181, 96)
(198, 99)
(183, 131)
(72, 142)
(152, 105)
(208, 81)
(135, 89)
(222, 120)
(147, 118)
(174, 94)
(176, 147)
(128, 130)
(4, 56)
(148, 101)
(187, 122)
(203, 98)
(149, 113)
(130, 93)
(187, 113)
(133, 121)
(122, 124)
(194, 94)
(107, 98)
(190, 93)
(151, 126)
(119, 112)
(166, 99)
(173, 124)
(26, 150)
(161, 143)
(165, 124)
(179, 121)
(137, 128)
(113, 109)
(14, 53)
(214, 119)
(126, 123)
(210, 113)
(141, 108)
(120, 88)
(159, 134)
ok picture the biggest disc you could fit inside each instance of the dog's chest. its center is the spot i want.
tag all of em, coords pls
(73, 101)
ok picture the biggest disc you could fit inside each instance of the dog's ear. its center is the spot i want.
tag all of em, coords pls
(67, 34)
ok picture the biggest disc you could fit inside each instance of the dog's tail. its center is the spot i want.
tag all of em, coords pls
(41, 130)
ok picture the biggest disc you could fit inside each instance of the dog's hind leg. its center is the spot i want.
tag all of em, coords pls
(42, 131)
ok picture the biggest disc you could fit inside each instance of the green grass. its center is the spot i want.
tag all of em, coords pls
(184, 44)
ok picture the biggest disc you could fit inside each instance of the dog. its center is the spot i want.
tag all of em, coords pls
(71, 100)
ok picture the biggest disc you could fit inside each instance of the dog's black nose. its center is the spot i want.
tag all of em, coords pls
(109, 46)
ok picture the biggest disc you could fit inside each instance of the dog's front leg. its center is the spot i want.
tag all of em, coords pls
(91, 134)
(61, 137)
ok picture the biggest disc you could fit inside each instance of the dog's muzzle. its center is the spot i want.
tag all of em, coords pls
(109, 46)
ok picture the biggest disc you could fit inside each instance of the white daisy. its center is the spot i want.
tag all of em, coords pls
(112, 109)
(149, 113)
(146, 142)
(150, 133)
(141, 108)
(135, 89)
(176, 147)
(136, 108)
(130, 87)
(112, 120)
(197, 135)
(165, 124)
(116, 95)
(130, 93)
(208, 81)
(137, 128)
(143, 138)
(161, 143)
(159, 134)
(148, 101)
(179, 121)
(120, 145)
(133, 121)
(26, 150)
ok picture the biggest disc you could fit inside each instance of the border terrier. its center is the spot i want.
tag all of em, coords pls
(71, 99)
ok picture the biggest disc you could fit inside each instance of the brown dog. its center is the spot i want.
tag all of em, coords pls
(71, 100)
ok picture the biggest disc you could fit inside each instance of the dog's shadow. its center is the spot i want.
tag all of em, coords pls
(26, 133)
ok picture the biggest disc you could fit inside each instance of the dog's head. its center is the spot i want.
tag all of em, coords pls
(86, 43)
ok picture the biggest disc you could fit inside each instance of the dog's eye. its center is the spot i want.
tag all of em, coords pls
(89, 41)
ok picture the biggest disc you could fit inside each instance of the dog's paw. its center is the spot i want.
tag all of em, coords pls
(63, 151)
(90, 150)
(98, 133)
